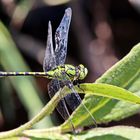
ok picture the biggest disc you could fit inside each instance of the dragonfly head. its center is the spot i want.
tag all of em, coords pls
(83, 71)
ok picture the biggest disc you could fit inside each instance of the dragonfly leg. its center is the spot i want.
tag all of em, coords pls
(62, 107)
(71, 86)
(72, 126)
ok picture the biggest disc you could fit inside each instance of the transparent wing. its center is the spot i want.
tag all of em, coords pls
(52, 60)
(49, 59)
(61, 37)
(69, 84)
(73, 100)
(53, 87)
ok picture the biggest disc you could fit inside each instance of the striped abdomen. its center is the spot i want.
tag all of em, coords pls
(41, 74)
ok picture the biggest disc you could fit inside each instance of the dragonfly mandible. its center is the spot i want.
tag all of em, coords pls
(55, 69)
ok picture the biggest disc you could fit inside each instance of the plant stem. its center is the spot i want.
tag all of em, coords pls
(45, 111)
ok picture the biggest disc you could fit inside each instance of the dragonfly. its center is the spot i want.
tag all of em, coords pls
(60, 74)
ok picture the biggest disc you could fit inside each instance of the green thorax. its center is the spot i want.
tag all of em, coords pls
(63, 72)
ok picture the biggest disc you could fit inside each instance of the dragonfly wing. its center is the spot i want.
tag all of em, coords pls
(71, 86)
(49, 59)
(53, 87)
(58, 58)
(73, 100)
(61, 37)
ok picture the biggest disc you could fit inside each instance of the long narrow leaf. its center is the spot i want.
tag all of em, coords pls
(27, 90)
(125, 74)
(110, 133)
(103, 90)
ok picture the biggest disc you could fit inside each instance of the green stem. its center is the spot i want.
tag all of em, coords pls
(45, 111)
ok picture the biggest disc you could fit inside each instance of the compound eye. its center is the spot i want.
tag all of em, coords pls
(81, 67)
(83, 71)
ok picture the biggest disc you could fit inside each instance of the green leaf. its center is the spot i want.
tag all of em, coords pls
(6, 101)
(125, 74)
(55, 2)
(104, 90)
(109, 91)
(11, 60)
(92, 89)
(15, 138)
(110, 133)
